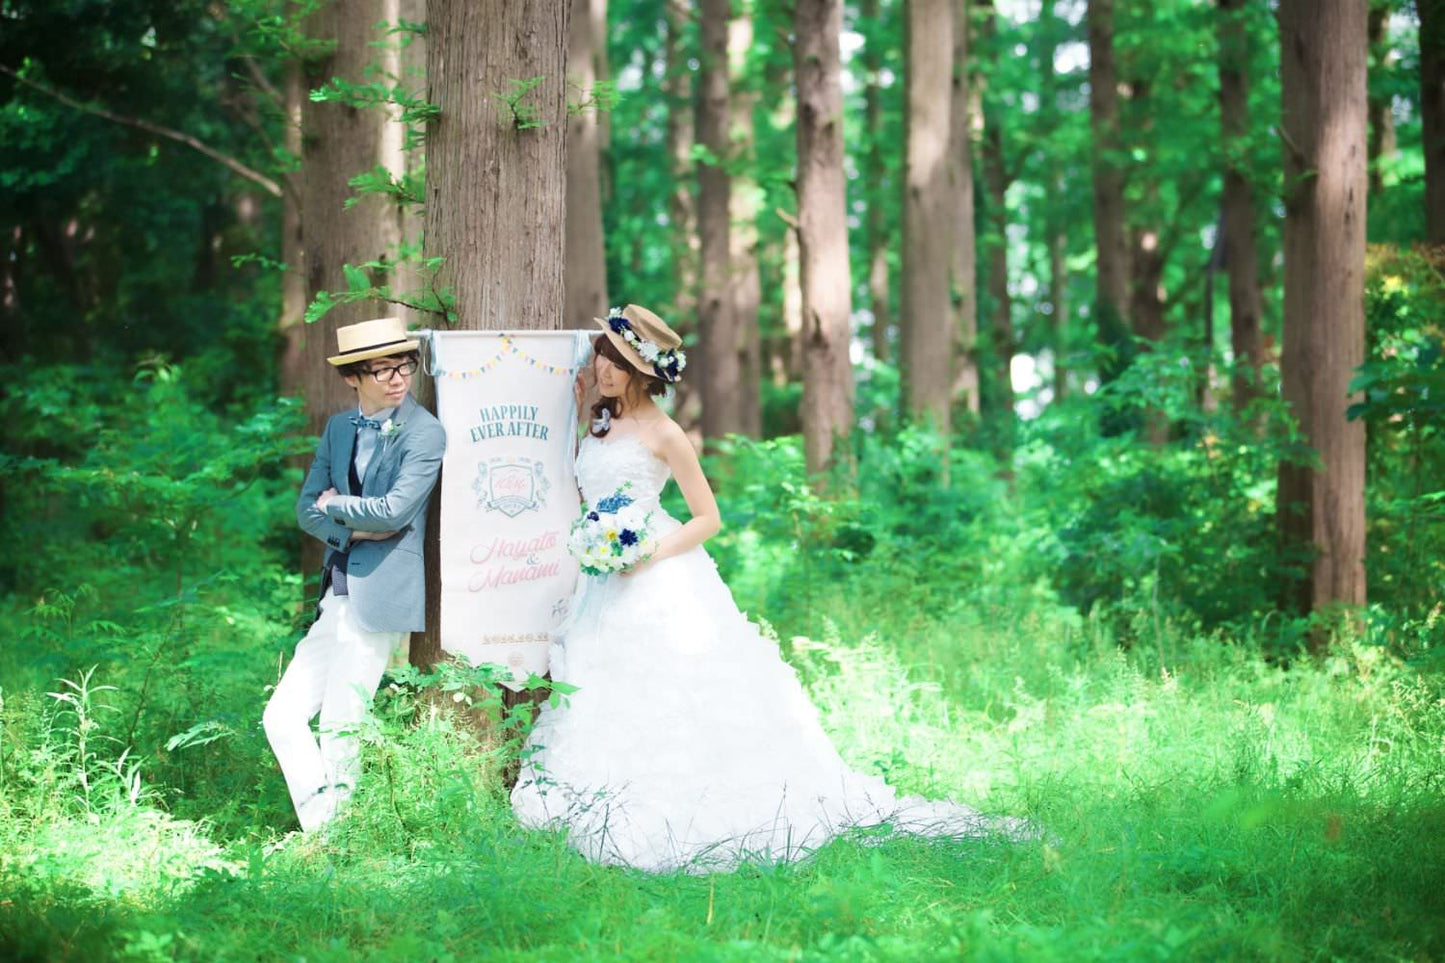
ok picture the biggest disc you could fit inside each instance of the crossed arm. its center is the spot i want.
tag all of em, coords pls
(336, 519)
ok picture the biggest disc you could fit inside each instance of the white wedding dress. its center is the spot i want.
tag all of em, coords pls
(689, 743)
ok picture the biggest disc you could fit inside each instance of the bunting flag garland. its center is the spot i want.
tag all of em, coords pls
(509, 346)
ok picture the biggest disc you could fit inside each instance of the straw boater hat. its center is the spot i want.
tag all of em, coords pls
(646, 341)
(381, 338)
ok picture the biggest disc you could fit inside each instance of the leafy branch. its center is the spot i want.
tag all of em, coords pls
(251, 174)
(524, 116)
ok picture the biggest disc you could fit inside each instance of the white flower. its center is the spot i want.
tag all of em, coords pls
(648, 351)
(389, 428)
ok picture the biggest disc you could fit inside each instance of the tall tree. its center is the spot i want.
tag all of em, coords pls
(962, 109)
(293, 280)
(1051, 26)
(1382, 117)
(997, 383)
(1432, 113)
(822, 233)
(875, 173)
(1147, 253)
(339, 142)
(681, 202)
(586, 267)
(410, 62)
(1111, 291)
(721, 372)
(1241, 253)
(927, 322)
(745, 203)
(496, 180)
(1321, 508)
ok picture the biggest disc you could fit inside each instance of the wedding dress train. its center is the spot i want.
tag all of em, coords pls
(689, 743)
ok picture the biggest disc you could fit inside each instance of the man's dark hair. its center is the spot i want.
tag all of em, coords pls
(356, 369)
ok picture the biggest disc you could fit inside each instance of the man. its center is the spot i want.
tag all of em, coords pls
(366, 497)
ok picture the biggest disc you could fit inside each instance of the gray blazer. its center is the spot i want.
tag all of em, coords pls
(385, 579)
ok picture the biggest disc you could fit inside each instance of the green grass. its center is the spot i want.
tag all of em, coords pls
(1200, 802)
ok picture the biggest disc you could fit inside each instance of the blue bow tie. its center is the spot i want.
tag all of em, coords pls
(362, 421)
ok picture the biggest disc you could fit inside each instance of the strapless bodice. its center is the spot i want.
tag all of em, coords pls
(606, 465)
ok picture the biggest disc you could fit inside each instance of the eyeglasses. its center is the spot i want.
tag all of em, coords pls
(406, 369)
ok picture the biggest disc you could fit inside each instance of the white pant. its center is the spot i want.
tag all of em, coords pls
(335, 673)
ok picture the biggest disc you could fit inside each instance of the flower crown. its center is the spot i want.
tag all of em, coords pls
(668, 363)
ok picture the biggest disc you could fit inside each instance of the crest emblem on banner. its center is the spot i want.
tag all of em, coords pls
(511, 486)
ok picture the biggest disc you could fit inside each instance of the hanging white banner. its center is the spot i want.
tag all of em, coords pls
(508, 495)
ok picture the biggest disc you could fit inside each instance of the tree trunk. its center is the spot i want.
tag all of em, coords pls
(1056, 226)
(964, 264)
(1111, 292)
(721, 373)
(997, 382)
(997, 389)
(823, 235)
(410, 60)
(597, 13)
(927, 324)
(1323, 83)
(876, 177)
(1382, 118)
(682, 205)
(744, 205)
(586, 267)
(1432, 114)
(1241, 254)
(339, 142)
(495, 192)
(788, 360)
(293, 280)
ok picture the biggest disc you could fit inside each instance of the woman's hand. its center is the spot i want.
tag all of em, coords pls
(645, 563)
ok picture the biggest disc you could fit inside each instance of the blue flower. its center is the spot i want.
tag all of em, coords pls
(613, 503)
(627, 537)
(594, 517)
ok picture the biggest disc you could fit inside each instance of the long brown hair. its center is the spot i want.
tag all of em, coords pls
(639, 386)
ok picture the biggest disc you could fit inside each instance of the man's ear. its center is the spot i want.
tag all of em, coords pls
(353, 381)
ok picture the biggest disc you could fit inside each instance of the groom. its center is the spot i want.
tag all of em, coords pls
(366, 498)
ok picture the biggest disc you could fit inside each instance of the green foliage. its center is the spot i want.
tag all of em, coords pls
(523, 116)
(1402, 383)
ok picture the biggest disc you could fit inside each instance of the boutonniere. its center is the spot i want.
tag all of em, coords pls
(390, 428)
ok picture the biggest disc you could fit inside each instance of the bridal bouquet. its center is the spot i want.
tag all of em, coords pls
(613, 535)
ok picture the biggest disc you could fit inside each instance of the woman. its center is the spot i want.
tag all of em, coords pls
(689, 743)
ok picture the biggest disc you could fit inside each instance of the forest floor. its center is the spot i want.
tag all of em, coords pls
(1200, 803)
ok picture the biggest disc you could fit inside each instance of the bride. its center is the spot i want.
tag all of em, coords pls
(689, 743)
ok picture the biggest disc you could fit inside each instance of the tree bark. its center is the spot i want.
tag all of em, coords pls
(1432, 114)
(997, 385)
(597, 13)
(823, 235)
(927, 327)
(1056, 226)
(1382, 117)
(293, 252)
(338, 143)
(586, 266)
(1111, 292)
(964, 264)
(495, 191)
(1323, 83)
(878, 240)
(1241, 253)
(744, 205)
(682, 205)
(721, 372)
